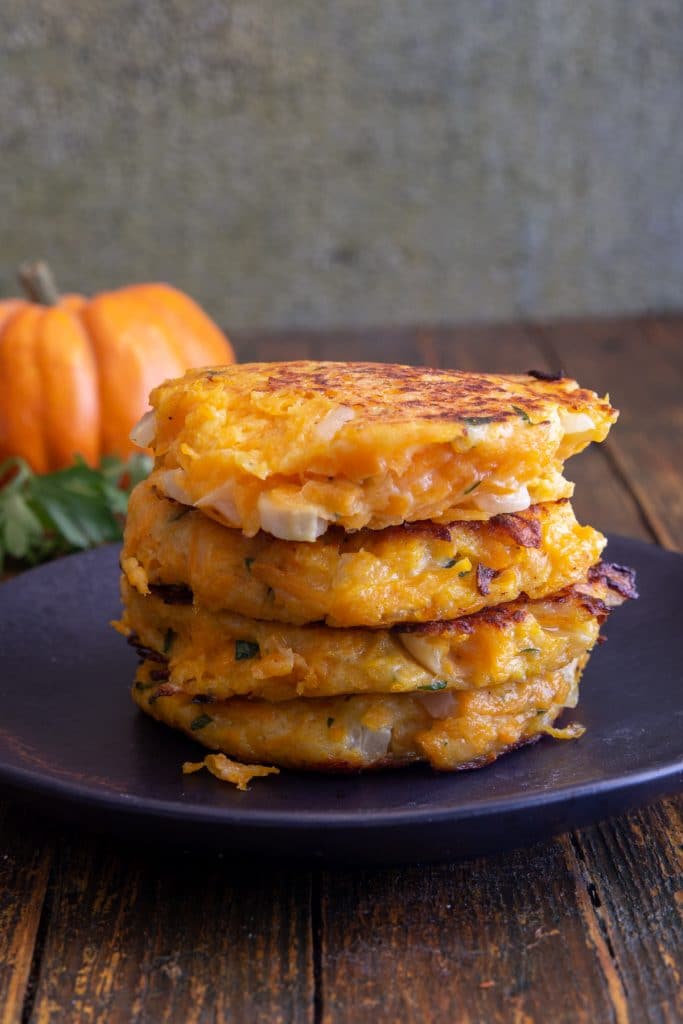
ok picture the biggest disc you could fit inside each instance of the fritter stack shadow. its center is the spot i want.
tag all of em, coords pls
(345, 566)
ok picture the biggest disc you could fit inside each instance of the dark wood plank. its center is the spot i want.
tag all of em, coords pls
(495, 940)
(272, 346)
(153, 936)
(25, 859)
(629, 876)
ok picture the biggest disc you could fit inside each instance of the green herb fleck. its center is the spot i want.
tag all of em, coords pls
(169, 640)
(330, 721)
(248, 562)
(472, 487)
(245, 649)
(199, 723)
(465, 572)
(521, 413)
(438, 684)
(474, 421)
(448, 563)
(541, 711)
(530, 650)
(143, 686)
(179, 515)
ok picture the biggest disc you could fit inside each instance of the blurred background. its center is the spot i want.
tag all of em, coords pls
(328, 163)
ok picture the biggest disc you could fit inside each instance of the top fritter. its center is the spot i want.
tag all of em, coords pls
(291, 448)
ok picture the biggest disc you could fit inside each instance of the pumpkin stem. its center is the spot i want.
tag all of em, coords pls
(37, 281)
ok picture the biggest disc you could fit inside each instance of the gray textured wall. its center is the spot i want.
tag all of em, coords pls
(346, 161)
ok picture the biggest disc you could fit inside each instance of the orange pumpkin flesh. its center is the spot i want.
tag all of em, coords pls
(75, 376)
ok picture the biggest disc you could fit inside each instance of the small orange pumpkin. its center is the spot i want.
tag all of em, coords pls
(75, 373)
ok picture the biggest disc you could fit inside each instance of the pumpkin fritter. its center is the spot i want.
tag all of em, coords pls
(293, 448)
(448, 730)
(223, 655)
(414, 573)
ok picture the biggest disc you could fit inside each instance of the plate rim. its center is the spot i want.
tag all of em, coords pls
(21, 779)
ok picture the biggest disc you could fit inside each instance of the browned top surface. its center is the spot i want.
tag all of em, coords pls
(396, 392)
(100, 931)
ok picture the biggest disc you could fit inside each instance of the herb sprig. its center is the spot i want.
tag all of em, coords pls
(43, 516)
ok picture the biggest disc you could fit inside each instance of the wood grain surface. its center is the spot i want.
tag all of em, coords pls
(586, 928)
(25, 857)
(155, 935)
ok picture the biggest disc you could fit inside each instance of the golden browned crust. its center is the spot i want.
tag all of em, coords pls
(297, 448)
(420, 571)
(606, 587)
(397, 394)
(366, 732)
(221, 655)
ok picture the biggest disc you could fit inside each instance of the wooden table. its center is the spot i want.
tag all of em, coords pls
(586, 928)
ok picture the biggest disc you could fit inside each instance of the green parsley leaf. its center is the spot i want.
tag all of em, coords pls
(438, 684)
(248, 562)
(530, 650)
(472, 487)
(169, 640)
(20, 527)
(245, 649)
(179, 515)
(71, 509)
(475, 421)
(448, 563)
(521, 413)
(200, 722)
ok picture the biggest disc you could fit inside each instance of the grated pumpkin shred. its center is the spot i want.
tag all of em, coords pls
(226, 770)
(573, 731)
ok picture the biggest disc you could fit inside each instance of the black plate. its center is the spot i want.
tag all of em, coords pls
(72, 742)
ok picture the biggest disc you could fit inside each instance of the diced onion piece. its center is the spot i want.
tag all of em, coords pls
(438, 705)
(569, 675)
(144, 430)
(222, 501)
(505, 502)
(572, 698)
(333, 421)
(290, 521)
(171, 484)
(576, 422)
(424, 652)
(371, 743)
(476, 432)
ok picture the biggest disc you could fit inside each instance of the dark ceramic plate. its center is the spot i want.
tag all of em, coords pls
(72, 743)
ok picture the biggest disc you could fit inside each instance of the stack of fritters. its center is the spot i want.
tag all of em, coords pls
(340, 566)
